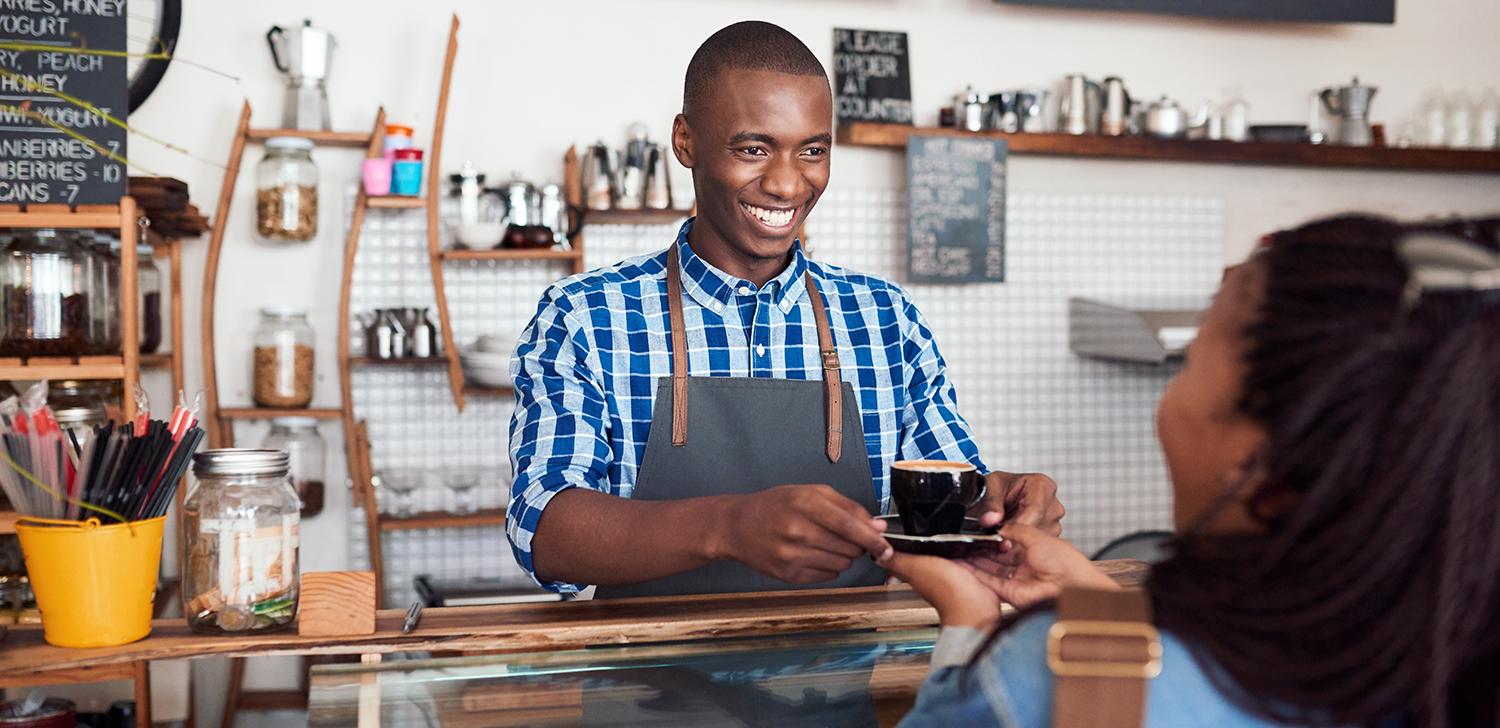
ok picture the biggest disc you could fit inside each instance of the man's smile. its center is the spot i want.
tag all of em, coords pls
(773, 220)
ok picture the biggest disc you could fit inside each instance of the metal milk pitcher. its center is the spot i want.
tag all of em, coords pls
(1078, 108)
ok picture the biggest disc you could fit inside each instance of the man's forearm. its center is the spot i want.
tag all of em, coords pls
(587, 537)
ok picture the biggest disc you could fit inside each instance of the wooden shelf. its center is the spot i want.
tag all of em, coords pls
(156, 361)
(365, 361)
(327, 138)
(483, 391)
(395, 202)
(511, 254)
(60, 216)
(633, 217)
(87, 367)
(8, 522)
(442, 519)
(268, 413)
(1285, 154)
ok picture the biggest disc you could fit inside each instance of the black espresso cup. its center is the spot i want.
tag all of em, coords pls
(932, 496)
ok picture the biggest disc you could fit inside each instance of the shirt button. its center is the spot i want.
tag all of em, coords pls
(744, 290)
(760, 349)
(718, 307)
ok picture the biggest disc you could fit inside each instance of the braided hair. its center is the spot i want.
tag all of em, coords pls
(1377, 594)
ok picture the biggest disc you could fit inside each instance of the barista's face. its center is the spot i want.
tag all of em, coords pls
(758, 146)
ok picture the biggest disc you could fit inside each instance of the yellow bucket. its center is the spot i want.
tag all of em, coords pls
(94, 584)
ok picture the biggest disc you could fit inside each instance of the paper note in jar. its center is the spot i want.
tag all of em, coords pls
(255, 563)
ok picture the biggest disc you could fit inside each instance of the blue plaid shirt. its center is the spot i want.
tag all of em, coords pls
(585, 370)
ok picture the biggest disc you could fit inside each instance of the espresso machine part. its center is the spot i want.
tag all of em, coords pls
(1078, 108)
(658, 186)
(1031, 107)
(303, 54)
(1350, 106)
(1002, 112)
(599, 177)
(633, 170)
(562, 219)
(969, 109)
(1115, 119)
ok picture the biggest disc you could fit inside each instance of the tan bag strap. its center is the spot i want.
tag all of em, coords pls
(1102, 650)
(833, 391)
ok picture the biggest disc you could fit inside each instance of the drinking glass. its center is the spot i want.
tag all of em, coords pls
(463, 482)
(401, 482)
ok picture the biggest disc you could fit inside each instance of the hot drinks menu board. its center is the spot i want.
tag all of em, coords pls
(871, 76)
(955, 217)
(50, 140)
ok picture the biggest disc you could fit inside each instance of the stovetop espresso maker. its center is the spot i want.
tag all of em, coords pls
(303, 54)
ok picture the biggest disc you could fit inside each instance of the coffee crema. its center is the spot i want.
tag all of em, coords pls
(932, 466)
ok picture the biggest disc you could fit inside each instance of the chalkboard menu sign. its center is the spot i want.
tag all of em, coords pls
(955, 217)
(872, 80)
(1312, 11)
(46, 88)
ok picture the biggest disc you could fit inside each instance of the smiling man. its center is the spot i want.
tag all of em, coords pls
(722, 415)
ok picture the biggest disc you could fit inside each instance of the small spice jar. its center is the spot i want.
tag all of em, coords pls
(148, 287)
(406, 173)
(241, 522)
(286, 191)
(283, 359)
(299, 438)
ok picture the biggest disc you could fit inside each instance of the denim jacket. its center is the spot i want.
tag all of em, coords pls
(1011, 686)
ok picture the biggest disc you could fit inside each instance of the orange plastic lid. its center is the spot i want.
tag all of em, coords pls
(397, 129)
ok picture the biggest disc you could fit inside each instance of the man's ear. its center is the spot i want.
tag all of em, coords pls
(682, 141)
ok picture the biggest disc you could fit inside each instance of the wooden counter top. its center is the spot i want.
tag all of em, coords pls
(520, 627)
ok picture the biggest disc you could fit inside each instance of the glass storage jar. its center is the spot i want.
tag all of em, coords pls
(148, 290)
(83, 403)
(241, 522)
(44, 278)
(283, 360)
(286, 191)
(299, 438)
(104, 307)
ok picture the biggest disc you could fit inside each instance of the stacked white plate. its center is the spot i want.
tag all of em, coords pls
(486, 363)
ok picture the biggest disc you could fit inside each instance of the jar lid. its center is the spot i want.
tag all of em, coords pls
(282, 311)
(70, 416)
(289, 142)
(241, 461)
(397, 130)
(410, 155)
(294, 421)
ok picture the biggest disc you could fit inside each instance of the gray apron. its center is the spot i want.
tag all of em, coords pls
(736, 436)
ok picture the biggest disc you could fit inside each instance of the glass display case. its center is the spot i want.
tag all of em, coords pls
(858, 678)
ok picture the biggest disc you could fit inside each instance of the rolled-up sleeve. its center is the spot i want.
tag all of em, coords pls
(557, 432)
(931, 427)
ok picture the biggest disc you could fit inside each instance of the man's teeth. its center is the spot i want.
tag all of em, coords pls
(774, 218)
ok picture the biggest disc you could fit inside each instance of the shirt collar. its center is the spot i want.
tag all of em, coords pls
(715, 289)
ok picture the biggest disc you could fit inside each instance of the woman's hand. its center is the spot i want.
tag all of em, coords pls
(962, 594)
(1035, 567)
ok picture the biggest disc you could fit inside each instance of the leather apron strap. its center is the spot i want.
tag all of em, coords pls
(1102, 650)
(833, 394)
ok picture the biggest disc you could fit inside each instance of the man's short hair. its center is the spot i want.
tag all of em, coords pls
(750, 45)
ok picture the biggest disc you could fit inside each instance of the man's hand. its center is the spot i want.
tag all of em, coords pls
(798, 533)
(1029, 499)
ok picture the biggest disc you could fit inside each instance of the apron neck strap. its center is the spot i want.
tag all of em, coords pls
(833, 392)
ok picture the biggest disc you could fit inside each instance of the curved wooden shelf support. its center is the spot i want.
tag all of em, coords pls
(220, 433)
(434, 239)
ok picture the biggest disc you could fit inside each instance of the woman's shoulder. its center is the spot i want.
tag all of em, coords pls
(1183, 694)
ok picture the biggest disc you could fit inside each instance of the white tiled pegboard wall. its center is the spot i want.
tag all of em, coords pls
(1033, 405)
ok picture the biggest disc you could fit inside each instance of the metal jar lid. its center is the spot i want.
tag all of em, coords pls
(241, 461)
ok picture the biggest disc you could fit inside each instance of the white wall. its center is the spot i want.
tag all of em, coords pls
(534, 77)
